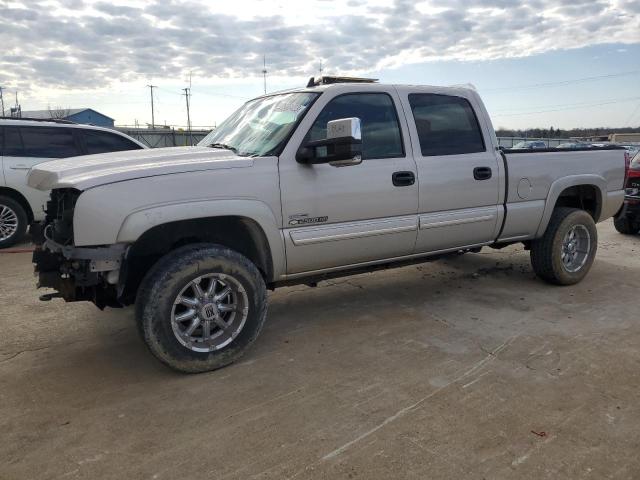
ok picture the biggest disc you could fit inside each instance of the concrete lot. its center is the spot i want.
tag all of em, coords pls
(465, 368)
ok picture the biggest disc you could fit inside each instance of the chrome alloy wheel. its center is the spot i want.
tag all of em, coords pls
(576, 246)
(8, 222)
(209, 312)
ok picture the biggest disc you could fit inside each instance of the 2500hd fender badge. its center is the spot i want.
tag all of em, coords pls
(303, 218)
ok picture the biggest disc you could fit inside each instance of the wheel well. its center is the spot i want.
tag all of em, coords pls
(585, 197)
(241, 234)
(18, 197)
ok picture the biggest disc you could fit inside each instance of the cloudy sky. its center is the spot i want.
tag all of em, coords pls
(564, 63)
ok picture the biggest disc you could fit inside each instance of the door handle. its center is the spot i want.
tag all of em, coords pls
(403, 179)
(20, 167)
(482, 173)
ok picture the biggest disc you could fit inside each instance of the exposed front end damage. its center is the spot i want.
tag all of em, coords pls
(75, 273)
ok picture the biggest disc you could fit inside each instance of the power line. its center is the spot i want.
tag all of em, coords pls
(562, 82)
(169, 91)
(203, 92)
(568, 104)
(214, 94)
(633, 114)
(578, 106)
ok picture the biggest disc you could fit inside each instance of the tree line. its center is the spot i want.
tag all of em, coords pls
(562, 133)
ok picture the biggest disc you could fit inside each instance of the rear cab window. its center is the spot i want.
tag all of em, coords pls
(446, 124)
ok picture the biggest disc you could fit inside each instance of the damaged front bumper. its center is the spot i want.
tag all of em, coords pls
(79, 273)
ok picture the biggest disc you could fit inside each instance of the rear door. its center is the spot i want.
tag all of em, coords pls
(26, 146)
(458, 171)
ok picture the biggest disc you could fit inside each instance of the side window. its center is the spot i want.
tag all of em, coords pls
(97, 141)
(381, 136)
(446, 125)
(48, 142)
(12, 143)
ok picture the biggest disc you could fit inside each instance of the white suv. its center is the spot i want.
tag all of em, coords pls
(25, 143)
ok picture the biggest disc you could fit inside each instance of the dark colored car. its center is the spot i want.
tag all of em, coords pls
(628, 220)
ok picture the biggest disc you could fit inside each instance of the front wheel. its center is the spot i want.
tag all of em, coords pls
(625, 226)
(567, 249)
(200, 307)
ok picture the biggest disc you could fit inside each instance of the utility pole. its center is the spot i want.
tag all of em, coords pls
(264, 72)
(320, 69)
(18, 108)
(2, 101)
(187, 94)
(153, 119)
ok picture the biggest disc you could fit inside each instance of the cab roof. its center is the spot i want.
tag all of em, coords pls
(321, 84)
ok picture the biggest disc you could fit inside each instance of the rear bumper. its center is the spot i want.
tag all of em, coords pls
(613, 205)
(631, 208)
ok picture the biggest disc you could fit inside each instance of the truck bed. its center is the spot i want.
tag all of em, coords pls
(537, 178)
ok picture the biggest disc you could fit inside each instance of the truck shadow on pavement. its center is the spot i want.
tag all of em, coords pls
(462, 292)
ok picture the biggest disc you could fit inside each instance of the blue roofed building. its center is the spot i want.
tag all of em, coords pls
(87, 116)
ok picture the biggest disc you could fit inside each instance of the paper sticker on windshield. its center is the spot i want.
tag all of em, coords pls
(288, 107)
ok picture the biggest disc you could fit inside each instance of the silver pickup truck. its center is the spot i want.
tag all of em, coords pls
(340, 177)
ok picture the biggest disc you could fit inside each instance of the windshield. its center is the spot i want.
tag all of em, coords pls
(261, 126)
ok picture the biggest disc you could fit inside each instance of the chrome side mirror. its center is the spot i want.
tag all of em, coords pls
(342, 147)
(345, 128)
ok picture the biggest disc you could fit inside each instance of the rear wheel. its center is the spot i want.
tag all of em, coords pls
(200, 307)
(567, 249)
(626, 226)
(13, 222)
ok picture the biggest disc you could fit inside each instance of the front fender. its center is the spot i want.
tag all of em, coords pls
(140, 221)
(122, 211)
(561, 185)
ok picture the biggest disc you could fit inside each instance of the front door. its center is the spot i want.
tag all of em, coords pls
(336, 216)
(458, 170)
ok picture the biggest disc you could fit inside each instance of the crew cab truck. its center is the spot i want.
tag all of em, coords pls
(340, 177)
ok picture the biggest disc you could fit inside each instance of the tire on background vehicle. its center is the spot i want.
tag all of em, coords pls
(166, 281)
(625, 226)
(546, 252)
(10, 210)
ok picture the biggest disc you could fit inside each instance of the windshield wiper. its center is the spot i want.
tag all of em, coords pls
(225, 146)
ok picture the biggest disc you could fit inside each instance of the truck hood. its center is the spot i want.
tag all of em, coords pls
(93, 170)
